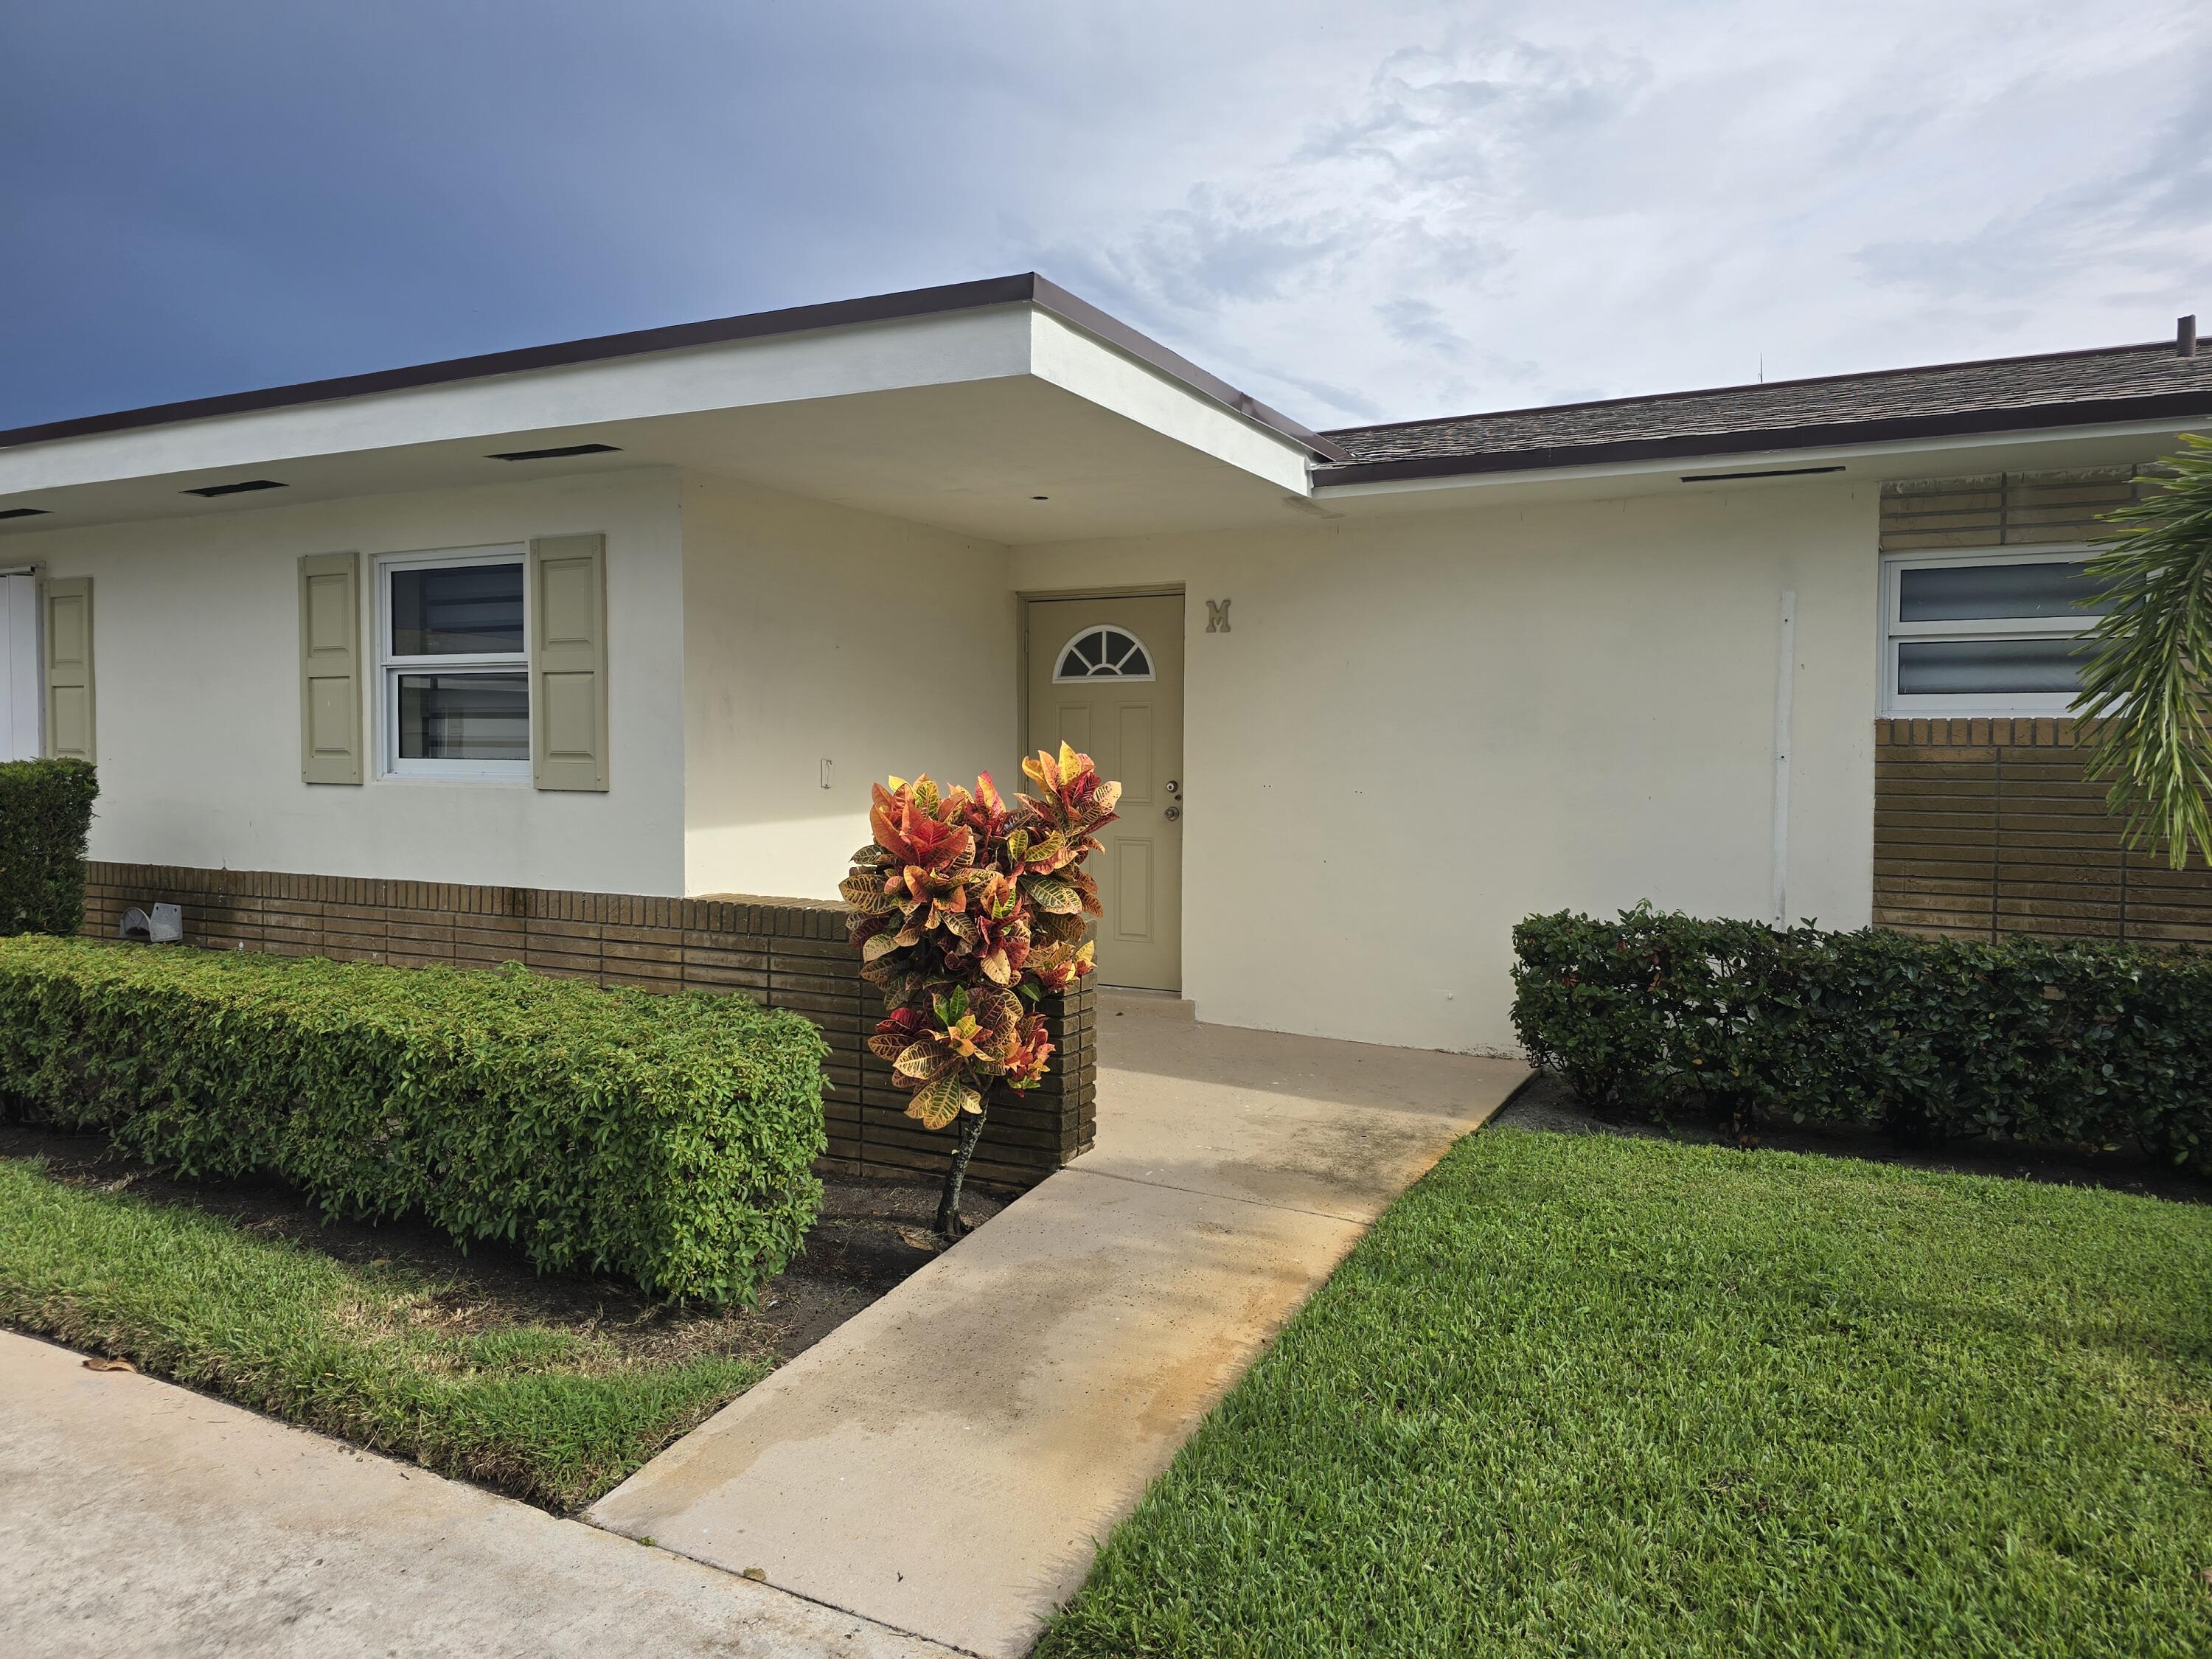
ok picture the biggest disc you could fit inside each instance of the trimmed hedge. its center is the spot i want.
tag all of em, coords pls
(46, 814)
(668, 1139)
(2074, 1043)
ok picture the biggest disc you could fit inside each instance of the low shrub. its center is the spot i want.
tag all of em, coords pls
(45, 813)
(668, 1139)
(2033, 1041)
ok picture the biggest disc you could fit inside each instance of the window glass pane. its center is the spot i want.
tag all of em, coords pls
(470, 717)
(1104, 653)
(459, 610)
(1963, 592)
(1952, 668)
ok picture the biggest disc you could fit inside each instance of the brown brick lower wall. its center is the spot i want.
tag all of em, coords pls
(787, 953)
(1987, 828)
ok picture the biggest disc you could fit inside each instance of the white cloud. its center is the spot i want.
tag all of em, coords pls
(1357, 212)
(1587, 200)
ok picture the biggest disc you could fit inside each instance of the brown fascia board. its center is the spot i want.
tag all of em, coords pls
(2091, 411)
(1026, 289)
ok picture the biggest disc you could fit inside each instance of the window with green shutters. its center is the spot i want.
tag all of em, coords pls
(490, 664)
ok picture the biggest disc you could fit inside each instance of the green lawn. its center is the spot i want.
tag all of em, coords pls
(1581, 1395)
(555, 1416)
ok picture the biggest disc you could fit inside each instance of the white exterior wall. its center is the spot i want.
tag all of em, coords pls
(815, 633)
(1423, 728)
(196, 626)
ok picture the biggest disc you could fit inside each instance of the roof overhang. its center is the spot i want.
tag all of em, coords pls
(2073, 416)
(1956, 454)
(1005, 409)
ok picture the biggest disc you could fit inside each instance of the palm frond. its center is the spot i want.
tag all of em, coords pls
(2143, 703)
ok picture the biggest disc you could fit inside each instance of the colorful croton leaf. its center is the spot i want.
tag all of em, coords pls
(967, 913)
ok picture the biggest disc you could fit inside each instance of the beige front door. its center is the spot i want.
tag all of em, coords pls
(1106, 676)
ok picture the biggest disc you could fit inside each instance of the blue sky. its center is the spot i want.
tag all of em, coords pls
(1368, 212)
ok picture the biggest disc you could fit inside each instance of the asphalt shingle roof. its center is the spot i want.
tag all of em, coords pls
(2117, 383)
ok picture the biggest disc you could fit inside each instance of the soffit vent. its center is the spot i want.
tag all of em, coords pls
(244, 486)
(555, 454)
(1770, 472)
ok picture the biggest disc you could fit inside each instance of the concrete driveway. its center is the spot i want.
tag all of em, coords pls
(947, 1461)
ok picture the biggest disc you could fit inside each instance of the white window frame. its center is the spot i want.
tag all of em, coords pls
(1068, 645)
(1898, 705)
(389, 667)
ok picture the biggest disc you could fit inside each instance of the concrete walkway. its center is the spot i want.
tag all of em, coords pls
(945, 1462)
(140, 1518)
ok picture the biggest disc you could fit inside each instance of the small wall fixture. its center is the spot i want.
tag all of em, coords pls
(24, 512)
(554, 454)
(242, 488)
(164, 926)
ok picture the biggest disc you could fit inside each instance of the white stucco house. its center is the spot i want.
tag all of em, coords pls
(645, 615)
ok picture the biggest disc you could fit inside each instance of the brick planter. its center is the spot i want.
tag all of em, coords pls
(787, 953)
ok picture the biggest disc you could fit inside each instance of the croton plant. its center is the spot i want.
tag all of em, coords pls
(966, 911)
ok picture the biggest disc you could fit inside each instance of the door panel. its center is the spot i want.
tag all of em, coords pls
(1135, 730)
(1132, 728)
(1132, 918)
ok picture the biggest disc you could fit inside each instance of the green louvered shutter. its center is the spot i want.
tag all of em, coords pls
(330, 668)
(569, 662)
(69, 669)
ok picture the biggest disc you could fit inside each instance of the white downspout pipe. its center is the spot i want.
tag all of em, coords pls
(1785, 683)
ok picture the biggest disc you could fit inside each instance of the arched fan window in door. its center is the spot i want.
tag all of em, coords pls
(1104, 653)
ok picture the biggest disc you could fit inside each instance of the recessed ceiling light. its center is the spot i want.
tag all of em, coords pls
(239, 489)
(24, 512)
(555, 454)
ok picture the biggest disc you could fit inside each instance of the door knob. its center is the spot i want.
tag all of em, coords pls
(1172, 814)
